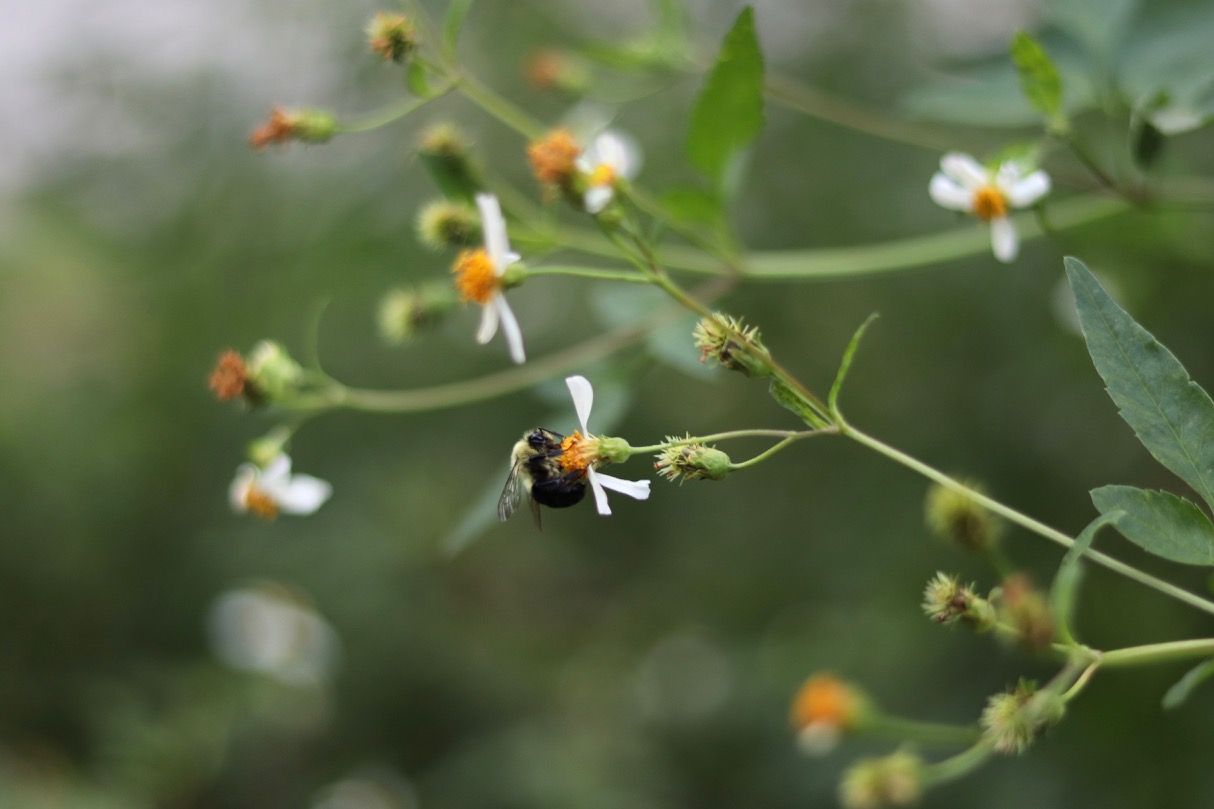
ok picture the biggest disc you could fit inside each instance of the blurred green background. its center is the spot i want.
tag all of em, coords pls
(646, 660)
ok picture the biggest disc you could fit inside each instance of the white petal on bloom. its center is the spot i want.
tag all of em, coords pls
(238, 491)
(511, 258)
(510, 329)
(1004, 241)
(494, 226)
(276, 472)
(302, 494)
(965, 170)
(617, 150)
(488, 327)
(636, 489)
(1023, 193)
(596, 198)
(600, 496)
(947, 194)
(583, 399)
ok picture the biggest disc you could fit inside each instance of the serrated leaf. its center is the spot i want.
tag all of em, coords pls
(453, 23)
(1066, 581)
(1171, 414)
(728, 113)
(1163, 523)
(1039, 78)
(1179, 693)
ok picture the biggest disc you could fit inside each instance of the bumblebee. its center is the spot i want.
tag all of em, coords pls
(536, 473)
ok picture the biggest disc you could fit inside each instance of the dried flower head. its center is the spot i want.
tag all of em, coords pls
(957, 518)
(946, 601)
(230, 378)
(691, 462)
(404, 312)
(728, 342)
(1024, 607)
(554, 158)
(283, 125)
(1013, 719)
(823, 709)
(442, 224)
(392, 36)
(895, 780)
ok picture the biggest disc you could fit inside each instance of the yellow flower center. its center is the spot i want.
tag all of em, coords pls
(989, 203)
(553, 157)
(475, 279)
(260, 504)
(824, 700)
(602, 175)
(577, 452)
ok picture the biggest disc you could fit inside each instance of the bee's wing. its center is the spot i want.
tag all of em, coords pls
(513, 493)
(535, 515)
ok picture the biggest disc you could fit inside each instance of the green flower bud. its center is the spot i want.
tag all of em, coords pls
(1013, 720)
(946, 601)
(442, 225)
(956, 518)
(314, 126)
(269, 446)
(1025, 608)
(444, 153)
(895, 780)
(692, 462)
(405, 312)
(273, 373)
(612, 450)
(728, 342)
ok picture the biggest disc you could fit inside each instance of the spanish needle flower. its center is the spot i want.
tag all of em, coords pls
(585, 451)
(478, 278)
(270, 490)
(825, 708)
(963, 184)
(610, 157)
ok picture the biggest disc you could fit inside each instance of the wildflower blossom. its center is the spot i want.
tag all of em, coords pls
(823, 709)
(391, 36)
(554, 158)
(1013, 719)
(895, 780)
(478, 278)
(946, 601)
(583, 451)
(230, 378)
(283, 125)
(270, 490)
(691, 462)
(963, 184)
(610, 158)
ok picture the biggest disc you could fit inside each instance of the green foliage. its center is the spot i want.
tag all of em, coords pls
(418, 79)
(1066, 581)
(1039, 78)
(728, 114)
(453, 23)
(1179, 693)
(845, 364)
(1163, 523)
(1171, 414)
(1099, 24)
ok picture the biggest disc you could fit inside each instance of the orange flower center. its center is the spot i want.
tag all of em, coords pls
(229, 377)
(577, 452)
(989, 203)
(823, 700)
(475, 278)
(553, 157)
(603, 175)
(260, 504)
(279, 128)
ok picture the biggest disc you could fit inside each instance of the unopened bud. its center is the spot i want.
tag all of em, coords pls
(692, 462)
(273, 373)
(555, 69)
(824, 708)
(304, 125)
(1025, 609)
(405, 312)
(443, 151)
(391, 36)
(946, 601)
(728, 342)
(612, 450)
(265, 449)
(1012, 720)
(872, 783)
(955, 517)
(442, 225)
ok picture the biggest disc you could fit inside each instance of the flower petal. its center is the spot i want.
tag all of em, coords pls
(1004, 241)
(277, 471)
(619, 151)
(494, 226)
(965, 170)
(510, 330)
(238, 490)
(596, 198)
(488, 327)
(946, 193)
(636, 489)
(582, 393)
(1025, 192)
(600, 496)
(303, 495)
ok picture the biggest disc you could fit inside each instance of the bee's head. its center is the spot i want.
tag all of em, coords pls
(538, 439)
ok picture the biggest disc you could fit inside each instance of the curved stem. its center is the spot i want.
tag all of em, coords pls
(965, 762)
(913, 730)
(728, 436)
(498, 107)
(1158, 653)
(767, 453)
(592, 273)
(1025, 521)
(392, 113)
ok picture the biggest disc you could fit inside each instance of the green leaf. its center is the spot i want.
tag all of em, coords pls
(418, 80)
(1163, 523)
(1170, 413)
(729, 111)
(845, 364)
(1066, 580)
(1179, 693)
(457, 12)
(1039, 79)
(1101, 25)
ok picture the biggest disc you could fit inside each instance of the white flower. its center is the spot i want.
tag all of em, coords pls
(478, 278)
(273, 489)
(963, 184)
(611, 156)
(583, 399)
(269, 628)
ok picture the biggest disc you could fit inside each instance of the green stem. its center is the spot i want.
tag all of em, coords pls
(1158, 653)
(592, 273)
(1023, 520)
(962, 764)
(732, 434)
(391, 113)
(913, 730)
(770, 451)
(498, 107)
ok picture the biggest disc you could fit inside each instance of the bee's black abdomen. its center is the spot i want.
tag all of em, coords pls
(559, 492)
